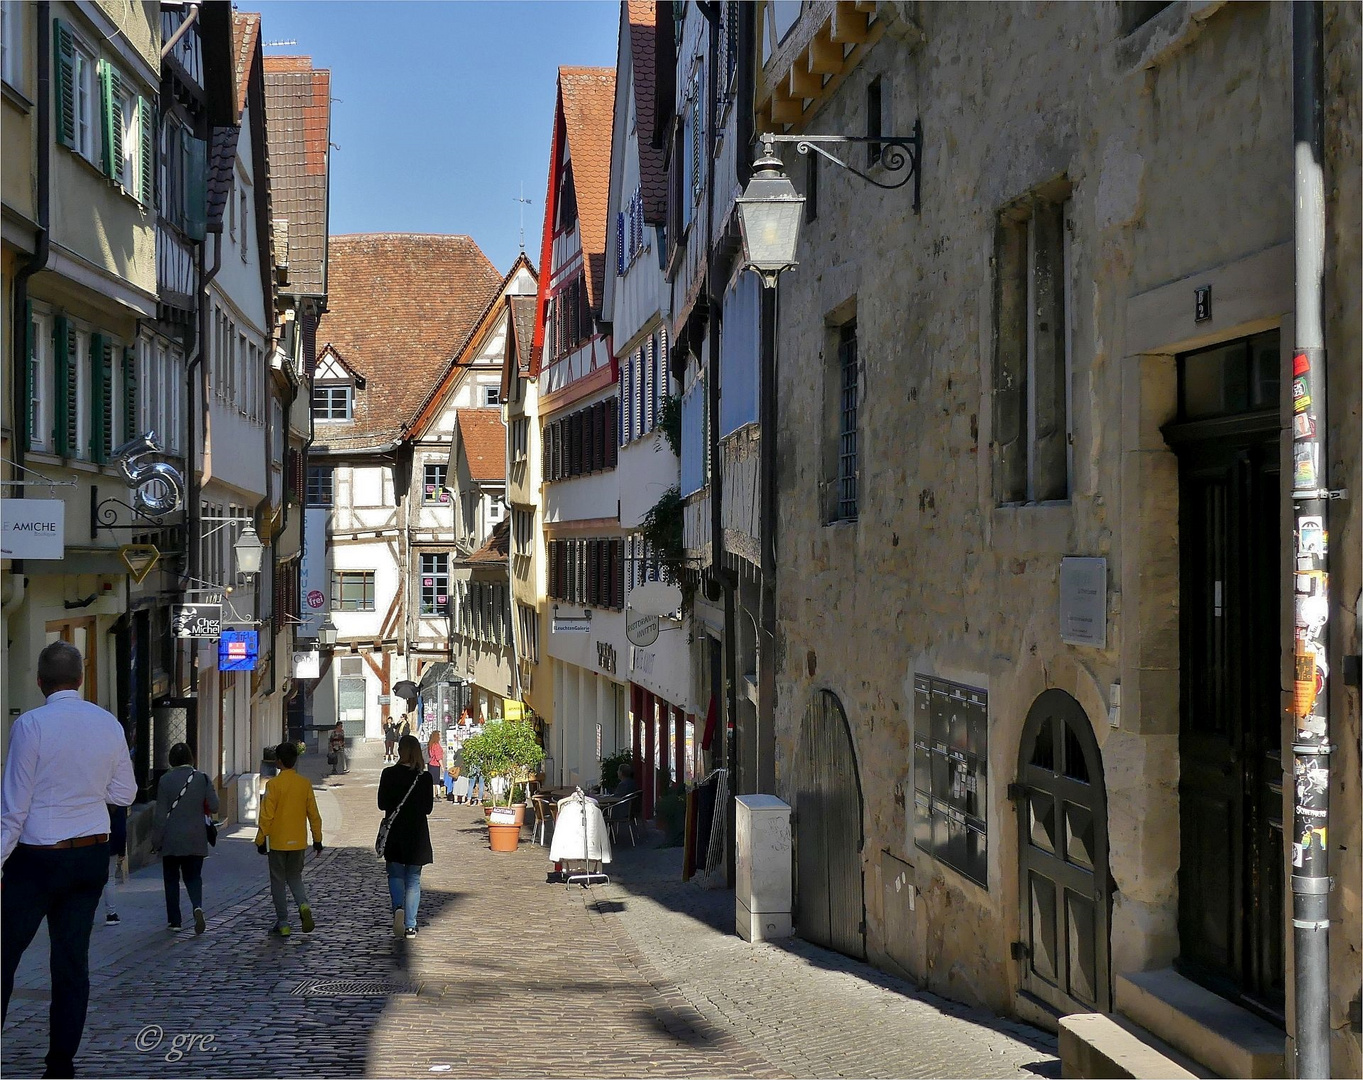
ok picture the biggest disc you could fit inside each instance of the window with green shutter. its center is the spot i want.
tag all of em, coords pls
(146, 126)
(129, 394)
(111, 95)
(102, 399)
(64, 367)
(64, 48)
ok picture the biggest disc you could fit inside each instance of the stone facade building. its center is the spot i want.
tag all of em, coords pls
(1055, 786)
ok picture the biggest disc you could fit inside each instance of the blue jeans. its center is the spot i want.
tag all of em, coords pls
(404, 889)
(477, 789)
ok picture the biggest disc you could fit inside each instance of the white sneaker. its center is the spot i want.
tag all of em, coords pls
(399, 923)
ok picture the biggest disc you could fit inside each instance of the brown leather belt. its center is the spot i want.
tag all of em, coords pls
(79, 841)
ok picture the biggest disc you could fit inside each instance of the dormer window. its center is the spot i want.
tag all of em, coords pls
(333, 402)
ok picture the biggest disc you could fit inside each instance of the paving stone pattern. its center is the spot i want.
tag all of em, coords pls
(509, 976)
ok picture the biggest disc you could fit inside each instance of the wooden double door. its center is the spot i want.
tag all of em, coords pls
(1231, 926)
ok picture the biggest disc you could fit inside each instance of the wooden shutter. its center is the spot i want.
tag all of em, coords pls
(619, 244)
(599, 411)
(553, 569)
(544, 458)
(64, 48)
(626, 388)
(101, 405)
(111, 91)
(593, 572)
(64, 387)
(619, 574)
(195, 157)
(146, 132)
(646, 405)
(575, 423)
(130, 396)
(612, 433)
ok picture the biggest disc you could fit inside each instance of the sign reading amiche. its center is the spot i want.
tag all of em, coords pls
(32, 528)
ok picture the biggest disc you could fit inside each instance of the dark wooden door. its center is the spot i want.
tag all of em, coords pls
(1063, 874)
(1230, 783)
(829, 886)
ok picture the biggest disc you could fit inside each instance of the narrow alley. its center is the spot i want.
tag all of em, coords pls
(510, 976)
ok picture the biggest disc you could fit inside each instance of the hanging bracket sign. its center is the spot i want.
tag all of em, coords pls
(196, 620)
(32, 528)
(642, 630)
(140, 559)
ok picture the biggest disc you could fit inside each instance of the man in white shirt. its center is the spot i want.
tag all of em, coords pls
(68, 762)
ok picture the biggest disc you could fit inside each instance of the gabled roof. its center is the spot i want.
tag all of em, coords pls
(587, 102)
(399, 305)
(523, 325)
(497, 548)
(463, 358)
(520, 340)
(245, 35)
(298, 118)
(643, 15)
(483, 438)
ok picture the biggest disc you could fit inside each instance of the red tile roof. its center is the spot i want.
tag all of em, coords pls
(587, 97)
(245, 37)
(484, 438)
(643, 28)
(497, 549)
(399, 307)
(298, 125)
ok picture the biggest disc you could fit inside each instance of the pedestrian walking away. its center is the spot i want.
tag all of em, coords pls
(67, 763)
(407, 791)
(118, 861)
(286, 812)
(180, 833)
(435, 756)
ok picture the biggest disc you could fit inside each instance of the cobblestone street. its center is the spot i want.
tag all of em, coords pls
(510, 976)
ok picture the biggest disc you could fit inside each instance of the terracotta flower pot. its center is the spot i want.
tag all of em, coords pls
(503, 837)
(518, 807)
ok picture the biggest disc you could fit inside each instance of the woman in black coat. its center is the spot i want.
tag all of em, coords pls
(407, 785)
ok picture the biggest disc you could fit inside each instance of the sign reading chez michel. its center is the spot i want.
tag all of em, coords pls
(32, 528)
(1083, 602)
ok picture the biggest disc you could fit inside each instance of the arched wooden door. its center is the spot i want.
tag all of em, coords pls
(829, 899)
(1063, 872)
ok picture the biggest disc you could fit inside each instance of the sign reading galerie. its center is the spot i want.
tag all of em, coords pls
(32, 528)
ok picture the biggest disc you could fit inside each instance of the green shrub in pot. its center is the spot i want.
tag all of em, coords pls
(508, 749)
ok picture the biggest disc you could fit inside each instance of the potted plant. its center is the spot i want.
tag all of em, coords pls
(509, 751)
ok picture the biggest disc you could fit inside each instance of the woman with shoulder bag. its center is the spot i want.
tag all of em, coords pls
(180, 833)
(407, 795)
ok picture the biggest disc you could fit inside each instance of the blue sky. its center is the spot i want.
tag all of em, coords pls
(442, 108)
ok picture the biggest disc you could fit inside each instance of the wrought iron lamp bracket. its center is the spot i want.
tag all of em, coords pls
(900, 154)
(106, 517)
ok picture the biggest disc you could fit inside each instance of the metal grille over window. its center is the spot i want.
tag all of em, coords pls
(950, 785)
(847, 426)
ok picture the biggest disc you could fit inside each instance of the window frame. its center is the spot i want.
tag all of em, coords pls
(316, 492)
(429, 597)
(330, 389)
(42, 373)
(492, 396)
(85, 86)
(13, 38)
(435, 494)
(364, 579)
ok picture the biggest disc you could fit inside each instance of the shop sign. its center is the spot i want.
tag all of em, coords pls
(237, 650)
(513, 709)
(1083, 602)
(641, 629)
(140, 559)
(33, 528)
(503, 815)
(571, 625)
(196, 620)
(307, 664)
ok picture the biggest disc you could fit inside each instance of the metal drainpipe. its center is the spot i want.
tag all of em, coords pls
(198, 387)
(41, 248)
(1311, 748)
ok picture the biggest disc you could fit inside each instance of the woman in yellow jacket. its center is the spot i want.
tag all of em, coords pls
(287, 810)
